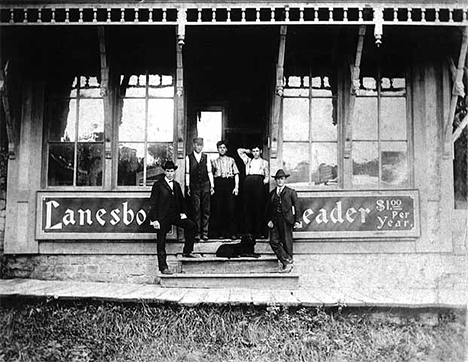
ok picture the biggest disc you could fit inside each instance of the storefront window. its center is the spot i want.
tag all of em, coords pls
(146, 128)
(380, 137)
(75, 145)
(310, 135)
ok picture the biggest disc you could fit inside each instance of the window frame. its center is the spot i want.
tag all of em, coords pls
(409, 136)
(115, 135)
(47, 142)
(339, 98)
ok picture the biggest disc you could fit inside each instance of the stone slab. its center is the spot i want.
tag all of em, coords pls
(193, 297)
(305, 298)
(286, 298)
(254, 281)
(407, 298)
(240, 296)
(217, 296)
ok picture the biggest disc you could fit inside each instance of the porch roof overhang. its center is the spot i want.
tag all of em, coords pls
(188, 13)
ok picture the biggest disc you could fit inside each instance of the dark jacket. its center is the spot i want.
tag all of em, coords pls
(164, 203)
(289, 200)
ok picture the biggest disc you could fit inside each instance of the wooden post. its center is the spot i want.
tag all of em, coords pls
(278, 93)
(355, 72)
(106, 97)
(457, 90)
(180, 109)
(10, 120)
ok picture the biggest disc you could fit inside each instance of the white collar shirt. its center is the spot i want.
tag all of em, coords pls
(170, 183)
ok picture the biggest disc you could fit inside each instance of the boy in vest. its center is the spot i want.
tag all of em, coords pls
(200, 187)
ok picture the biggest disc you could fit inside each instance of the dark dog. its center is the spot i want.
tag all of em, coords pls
(246, 248)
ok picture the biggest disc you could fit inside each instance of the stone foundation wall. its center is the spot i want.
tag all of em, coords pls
(96, 268)
(445, 273)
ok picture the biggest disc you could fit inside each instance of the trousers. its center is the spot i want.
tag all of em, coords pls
(189, 231)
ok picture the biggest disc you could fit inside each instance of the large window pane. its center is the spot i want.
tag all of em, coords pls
(131, 157)
(394, 158)
(161, 86)
(89, 164)
(61, 164)
(132, 127)
(160, 120)
(324, 169)
(90, 87)
(296, 162)
(365, 119)
(91, 116)
(61, 116)
(295, 119)
(136, 86)
(323, 128)
(158, 154)
(365, 164)
(393, 118)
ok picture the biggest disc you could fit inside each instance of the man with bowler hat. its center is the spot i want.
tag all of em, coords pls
(200, 187)
(283, 214)
(167, 209)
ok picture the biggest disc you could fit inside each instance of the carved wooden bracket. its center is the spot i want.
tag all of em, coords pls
(278, 93)
(105, 89)
(457, 90)
(11, 125)
(355, 84)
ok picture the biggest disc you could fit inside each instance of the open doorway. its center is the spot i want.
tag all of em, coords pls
(229, 78)
(231, 69)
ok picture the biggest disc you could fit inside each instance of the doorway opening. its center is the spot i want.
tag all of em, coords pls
(229, 78)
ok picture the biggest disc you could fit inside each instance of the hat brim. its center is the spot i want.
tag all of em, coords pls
(285, 176)
(170, 168)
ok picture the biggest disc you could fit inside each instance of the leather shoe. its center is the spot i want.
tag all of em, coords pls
(205, 237)
(190, 255)
(166, 272)
(287, 268)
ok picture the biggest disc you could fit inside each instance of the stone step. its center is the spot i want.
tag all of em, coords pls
(287, 281)
(241, 265)
(210, 246)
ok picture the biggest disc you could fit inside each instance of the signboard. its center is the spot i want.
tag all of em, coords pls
(94, 215)
(359, 214)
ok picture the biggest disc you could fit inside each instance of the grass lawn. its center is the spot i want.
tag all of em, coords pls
(85, 331)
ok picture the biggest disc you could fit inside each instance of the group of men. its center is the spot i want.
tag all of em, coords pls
(220, 176)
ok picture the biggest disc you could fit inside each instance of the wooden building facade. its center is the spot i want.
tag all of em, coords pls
(362, 103)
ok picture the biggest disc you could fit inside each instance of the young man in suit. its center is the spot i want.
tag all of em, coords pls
(167, 209)
(200, 187)
(283, 214)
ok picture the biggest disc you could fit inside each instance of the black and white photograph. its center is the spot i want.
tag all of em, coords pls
(232, 181)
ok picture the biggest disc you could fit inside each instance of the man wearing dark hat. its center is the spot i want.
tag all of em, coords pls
(283, 215)
(200, 187)
(167, 209)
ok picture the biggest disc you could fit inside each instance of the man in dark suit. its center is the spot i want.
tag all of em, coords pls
(167, 209)
(283, 214)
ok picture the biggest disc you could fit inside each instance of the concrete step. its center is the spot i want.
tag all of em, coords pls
(241, 265)
(286, 281)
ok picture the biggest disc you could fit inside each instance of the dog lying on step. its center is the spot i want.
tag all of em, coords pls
(246, 248)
